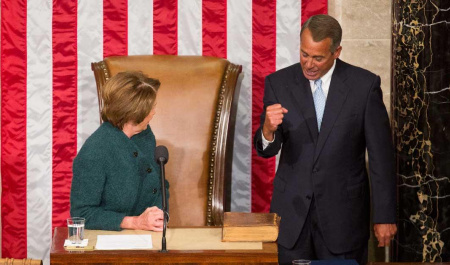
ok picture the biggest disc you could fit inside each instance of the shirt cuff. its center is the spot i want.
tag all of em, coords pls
(266, 143)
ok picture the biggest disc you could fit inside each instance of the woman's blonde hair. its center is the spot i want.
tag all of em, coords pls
(128, 96)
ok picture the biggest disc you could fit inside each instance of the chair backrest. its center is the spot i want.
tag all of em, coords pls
(195, 119)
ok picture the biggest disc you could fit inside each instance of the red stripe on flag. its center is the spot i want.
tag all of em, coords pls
(115, 27)
(165, 28)
(263, 56)
(64, 41)
(214, 27)
(313, 7)
(13, 128)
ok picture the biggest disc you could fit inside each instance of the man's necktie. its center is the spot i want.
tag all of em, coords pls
(319, 101)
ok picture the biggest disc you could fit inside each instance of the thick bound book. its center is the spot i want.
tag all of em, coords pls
(261, 227)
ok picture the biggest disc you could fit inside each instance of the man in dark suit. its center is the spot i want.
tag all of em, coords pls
(323, 114)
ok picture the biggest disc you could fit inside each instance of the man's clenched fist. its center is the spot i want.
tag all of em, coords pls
(274, 117)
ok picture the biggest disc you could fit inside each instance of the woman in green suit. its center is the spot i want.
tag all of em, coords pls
(116, 183)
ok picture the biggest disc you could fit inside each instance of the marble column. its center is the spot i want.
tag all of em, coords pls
(420, 106)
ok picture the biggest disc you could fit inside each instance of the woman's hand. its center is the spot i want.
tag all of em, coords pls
(150, 219)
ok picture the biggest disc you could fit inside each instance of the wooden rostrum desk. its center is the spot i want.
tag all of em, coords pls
(192, 253)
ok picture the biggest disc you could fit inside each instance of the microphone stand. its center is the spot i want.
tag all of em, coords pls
(164, 205)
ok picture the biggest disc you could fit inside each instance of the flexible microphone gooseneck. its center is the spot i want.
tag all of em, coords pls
(162, 157)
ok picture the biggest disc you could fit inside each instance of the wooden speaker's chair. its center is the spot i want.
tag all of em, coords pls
(195, 120)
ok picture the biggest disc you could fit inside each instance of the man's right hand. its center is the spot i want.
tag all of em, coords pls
(274, 117)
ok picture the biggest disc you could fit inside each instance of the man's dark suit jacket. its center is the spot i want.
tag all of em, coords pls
(331, 164)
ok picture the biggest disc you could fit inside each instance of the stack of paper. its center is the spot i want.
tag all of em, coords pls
(112, 242)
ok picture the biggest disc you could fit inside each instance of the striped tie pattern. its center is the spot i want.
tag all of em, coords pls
(319, 101)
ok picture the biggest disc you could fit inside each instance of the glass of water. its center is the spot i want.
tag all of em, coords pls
(75, 227)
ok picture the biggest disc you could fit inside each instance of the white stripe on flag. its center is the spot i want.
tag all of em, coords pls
(239, 51)
(39, 129)
(288, 36)
(288, 33)
(90, 49)
(190, 27)
(140, 27)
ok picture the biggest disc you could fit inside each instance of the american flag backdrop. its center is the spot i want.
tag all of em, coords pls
(49, 102)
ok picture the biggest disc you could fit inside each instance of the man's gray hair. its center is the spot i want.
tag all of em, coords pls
(322, 27)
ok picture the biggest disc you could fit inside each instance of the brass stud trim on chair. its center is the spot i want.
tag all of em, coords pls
(215, 143)
(12, 261)
(105, 71)
(102, 76)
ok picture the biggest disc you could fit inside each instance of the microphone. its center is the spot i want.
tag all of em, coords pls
(161, 154)
(162, 157)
